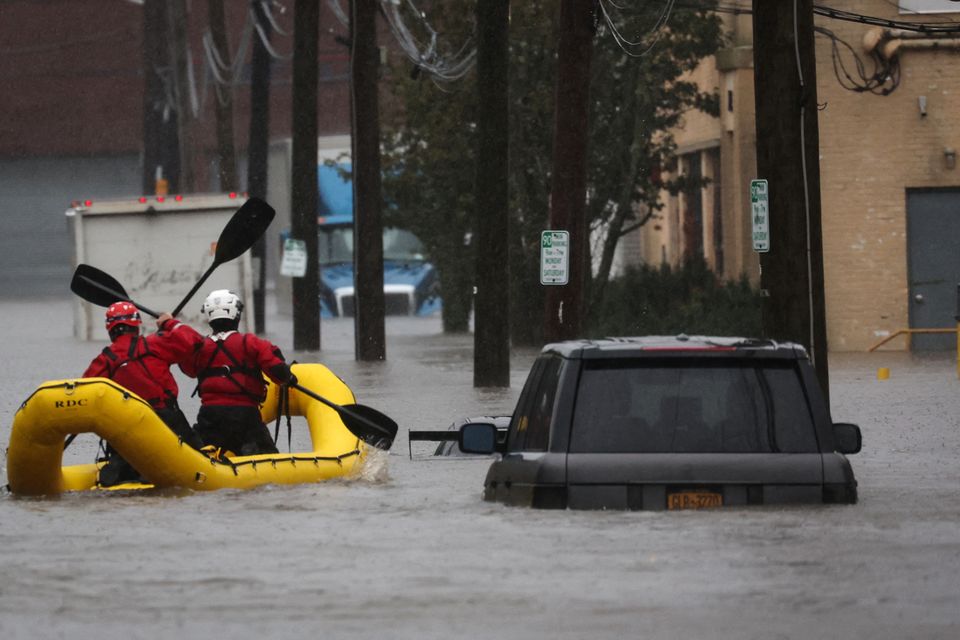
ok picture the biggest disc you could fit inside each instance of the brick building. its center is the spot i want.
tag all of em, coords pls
(890, 184)
(72, 113)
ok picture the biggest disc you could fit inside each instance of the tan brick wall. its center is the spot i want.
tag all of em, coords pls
(873, 149)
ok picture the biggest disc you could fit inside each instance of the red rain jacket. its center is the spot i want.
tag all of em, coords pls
(142, 363)
(229, 367)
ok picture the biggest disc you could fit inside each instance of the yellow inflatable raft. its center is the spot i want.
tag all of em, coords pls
(60, 408)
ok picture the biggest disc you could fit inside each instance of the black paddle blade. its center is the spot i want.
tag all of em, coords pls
(97, 287)
(368, 424)
(100, 288)
(243, 229)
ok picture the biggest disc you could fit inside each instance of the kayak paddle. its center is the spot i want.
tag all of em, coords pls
(242, 231)
(368, 424)
(100, 288)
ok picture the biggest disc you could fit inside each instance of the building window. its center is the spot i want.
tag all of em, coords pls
(692, 209)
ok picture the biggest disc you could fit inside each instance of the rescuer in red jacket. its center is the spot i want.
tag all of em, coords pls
(142, 365)
(229, 368)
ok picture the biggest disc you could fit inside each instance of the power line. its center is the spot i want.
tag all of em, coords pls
(947, 27)
(921, 27)
(626, 45)
(426, 55)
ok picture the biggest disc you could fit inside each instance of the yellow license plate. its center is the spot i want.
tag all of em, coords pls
(694, 500)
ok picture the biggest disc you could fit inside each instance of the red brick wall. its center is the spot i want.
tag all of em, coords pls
(71, 81)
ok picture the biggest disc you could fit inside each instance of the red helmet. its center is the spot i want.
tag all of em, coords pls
(122, 313)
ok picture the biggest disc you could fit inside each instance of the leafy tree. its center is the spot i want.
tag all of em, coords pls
(429, 131)
(661, 300)
(428, 163)
(635, 102)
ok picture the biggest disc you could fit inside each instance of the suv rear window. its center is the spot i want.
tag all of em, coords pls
(691, 406)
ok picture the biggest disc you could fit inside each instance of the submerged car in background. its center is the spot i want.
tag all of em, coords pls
(668, 423)
(449, 440)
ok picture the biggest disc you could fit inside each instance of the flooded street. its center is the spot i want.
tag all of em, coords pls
(412, 551)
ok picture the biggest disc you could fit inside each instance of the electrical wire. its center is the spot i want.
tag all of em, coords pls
(806, 188)
(884, 79)
(947, 26)
(626, 45)
(268, 12)
(425, 55)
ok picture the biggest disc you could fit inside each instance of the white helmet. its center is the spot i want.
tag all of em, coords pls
(222, 303)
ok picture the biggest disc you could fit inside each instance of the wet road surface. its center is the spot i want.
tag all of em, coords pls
(411, 550)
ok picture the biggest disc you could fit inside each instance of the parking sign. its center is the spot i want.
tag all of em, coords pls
(760, 215)
(554, 257)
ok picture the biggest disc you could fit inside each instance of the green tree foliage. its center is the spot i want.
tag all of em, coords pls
(664, 301)
(428, 163)
(637, 96)
(429, 140)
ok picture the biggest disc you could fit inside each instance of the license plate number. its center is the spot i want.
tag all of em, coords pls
(694, 500)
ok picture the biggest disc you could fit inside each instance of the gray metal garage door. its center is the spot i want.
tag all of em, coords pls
(933, 241)
(35, 253)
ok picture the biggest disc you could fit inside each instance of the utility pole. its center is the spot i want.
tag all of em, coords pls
(791, 272)
(223, 105)
(367, 224)
(564, 303)
(491, 335)
(303, 199)
(184, 180)
(257, 151)
(154, 100)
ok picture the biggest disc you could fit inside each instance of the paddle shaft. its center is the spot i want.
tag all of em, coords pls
(200, 282)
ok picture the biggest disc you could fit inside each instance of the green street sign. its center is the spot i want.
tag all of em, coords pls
(760, 215)
(554, 257)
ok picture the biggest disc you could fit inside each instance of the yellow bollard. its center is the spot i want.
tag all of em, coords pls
(883, 373)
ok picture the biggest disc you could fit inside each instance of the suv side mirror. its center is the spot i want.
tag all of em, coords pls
(847, 438)
(478, 437)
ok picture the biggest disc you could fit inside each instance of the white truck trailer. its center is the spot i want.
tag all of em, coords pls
(158, 247)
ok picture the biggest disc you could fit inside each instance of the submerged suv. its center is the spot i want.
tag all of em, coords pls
(669, 423)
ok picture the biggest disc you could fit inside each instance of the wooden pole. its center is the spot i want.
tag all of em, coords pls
(154, 100)
(564, 303)
(791, 273)
(367, 224)
(257, 154)
(304, 196)
(182, 180)
(223, 104)
(491, 336)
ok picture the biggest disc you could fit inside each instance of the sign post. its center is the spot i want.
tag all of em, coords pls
(554, 257)
(760, 215)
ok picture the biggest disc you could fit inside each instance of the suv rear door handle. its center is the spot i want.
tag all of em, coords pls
(918, 298)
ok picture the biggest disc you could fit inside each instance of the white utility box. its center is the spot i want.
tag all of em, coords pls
(158, 247)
